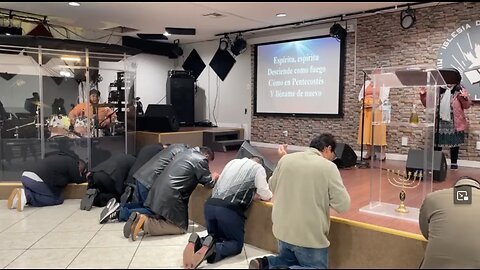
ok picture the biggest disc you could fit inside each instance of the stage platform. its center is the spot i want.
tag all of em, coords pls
(193, 136)
(357, 182)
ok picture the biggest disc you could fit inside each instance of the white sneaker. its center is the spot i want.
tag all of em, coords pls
(22, 199)
(12, 199)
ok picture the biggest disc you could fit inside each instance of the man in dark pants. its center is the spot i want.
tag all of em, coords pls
(145, 177)
(240, 181)
(106, 181)
(169, 196)
(145, 154)
(124, 181)
(43, 184)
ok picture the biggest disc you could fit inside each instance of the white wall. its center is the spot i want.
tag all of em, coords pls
(232, 96)
(151, 81)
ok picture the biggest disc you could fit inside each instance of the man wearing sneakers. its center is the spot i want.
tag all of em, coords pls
(43, 184)
(241, 180)
(144, 178)
(169, 196)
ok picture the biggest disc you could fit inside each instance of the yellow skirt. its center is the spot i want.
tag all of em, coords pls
(380, 131)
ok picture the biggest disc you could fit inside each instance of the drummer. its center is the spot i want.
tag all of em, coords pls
(104, 115)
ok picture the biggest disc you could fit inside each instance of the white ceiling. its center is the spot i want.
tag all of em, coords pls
(153, 17)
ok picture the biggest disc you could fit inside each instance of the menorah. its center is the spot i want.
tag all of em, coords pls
(404, 181)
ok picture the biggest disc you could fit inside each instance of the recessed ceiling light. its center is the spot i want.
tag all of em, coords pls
(166, 34)
(281, 15)
(74, 4)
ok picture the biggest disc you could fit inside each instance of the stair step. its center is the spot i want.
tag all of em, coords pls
(230, 142)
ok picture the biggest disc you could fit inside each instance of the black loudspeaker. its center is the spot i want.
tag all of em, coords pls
(158, 118)
(247, 150)
(222, 62)
(181, 95)
(415, 163)
(193, 63)
(346, 157)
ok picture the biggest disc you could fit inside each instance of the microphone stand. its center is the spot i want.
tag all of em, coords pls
(363, 164)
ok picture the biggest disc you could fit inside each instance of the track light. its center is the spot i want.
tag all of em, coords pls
(224, 42)
(407, 18)
(239, 45)
(338, 32)
(177, 51)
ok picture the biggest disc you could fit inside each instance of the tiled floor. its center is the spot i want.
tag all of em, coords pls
(65, 237)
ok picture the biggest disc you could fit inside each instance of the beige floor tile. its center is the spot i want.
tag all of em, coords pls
(119, 257)
(80, 226)
(113, 226)
(45, 258)
(21, 240)
(33, 225)
(64, 240)
(254, 252)
(80, 215)
(167, 240)
(158, 256)
(112, 239)
(7, 256)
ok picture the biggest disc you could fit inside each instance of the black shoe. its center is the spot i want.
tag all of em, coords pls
(194, 244)
(258, 263)
(454, 166)
(207, 249)
(127, 229)
(126, 196)
(111, 214)
(88, 198)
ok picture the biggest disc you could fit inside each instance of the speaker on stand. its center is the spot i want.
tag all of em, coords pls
(181, 95)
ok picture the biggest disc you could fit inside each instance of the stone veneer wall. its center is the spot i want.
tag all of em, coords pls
(381, 42)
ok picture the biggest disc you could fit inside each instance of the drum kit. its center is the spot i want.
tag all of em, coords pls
(58, 125)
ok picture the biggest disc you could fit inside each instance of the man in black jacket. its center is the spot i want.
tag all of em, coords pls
(168, 198)
(43, 184)
(106, 181)
(144, 178)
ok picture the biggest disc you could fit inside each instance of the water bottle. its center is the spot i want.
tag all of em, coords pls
(386, 111)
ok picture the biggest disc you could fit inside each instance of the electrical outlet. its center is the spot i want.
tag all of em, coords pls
(404, 141)
(285, 133)
(478, 145)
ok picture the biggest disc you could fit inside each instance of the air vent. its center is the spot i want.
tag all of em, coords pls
(214, 15)
(121, 29)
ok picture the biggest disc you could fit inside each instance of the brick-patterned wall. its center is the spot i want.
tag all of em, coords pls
(381, 42)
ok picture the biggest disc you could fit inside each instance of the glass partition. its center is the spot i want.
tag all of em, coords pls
(70, 102)
(20, 108)
(397, 188)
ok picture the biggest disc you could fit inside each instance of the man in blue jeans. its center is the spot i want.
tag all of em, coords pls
(144, 179)
(44, 182)
(308, 181)
(241, 180)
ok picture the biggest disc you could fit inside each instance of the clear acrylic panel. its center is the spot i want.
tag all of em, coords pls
(47, 107)
(20, 110)
(402, 102)
(68, 125)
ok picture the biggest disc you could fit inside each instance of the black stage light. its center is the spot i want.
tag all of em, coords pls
(337, 31)
(407, 18)
(239, 46)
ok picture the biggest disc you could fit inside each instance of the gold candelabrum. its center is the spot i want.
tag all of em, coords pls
(404, 181)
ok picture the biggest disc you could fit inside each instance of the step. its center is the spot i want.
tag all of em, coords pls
(230, 142)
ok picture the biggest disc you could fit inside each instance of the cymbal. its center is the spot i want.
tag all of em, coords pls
(104, 105)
